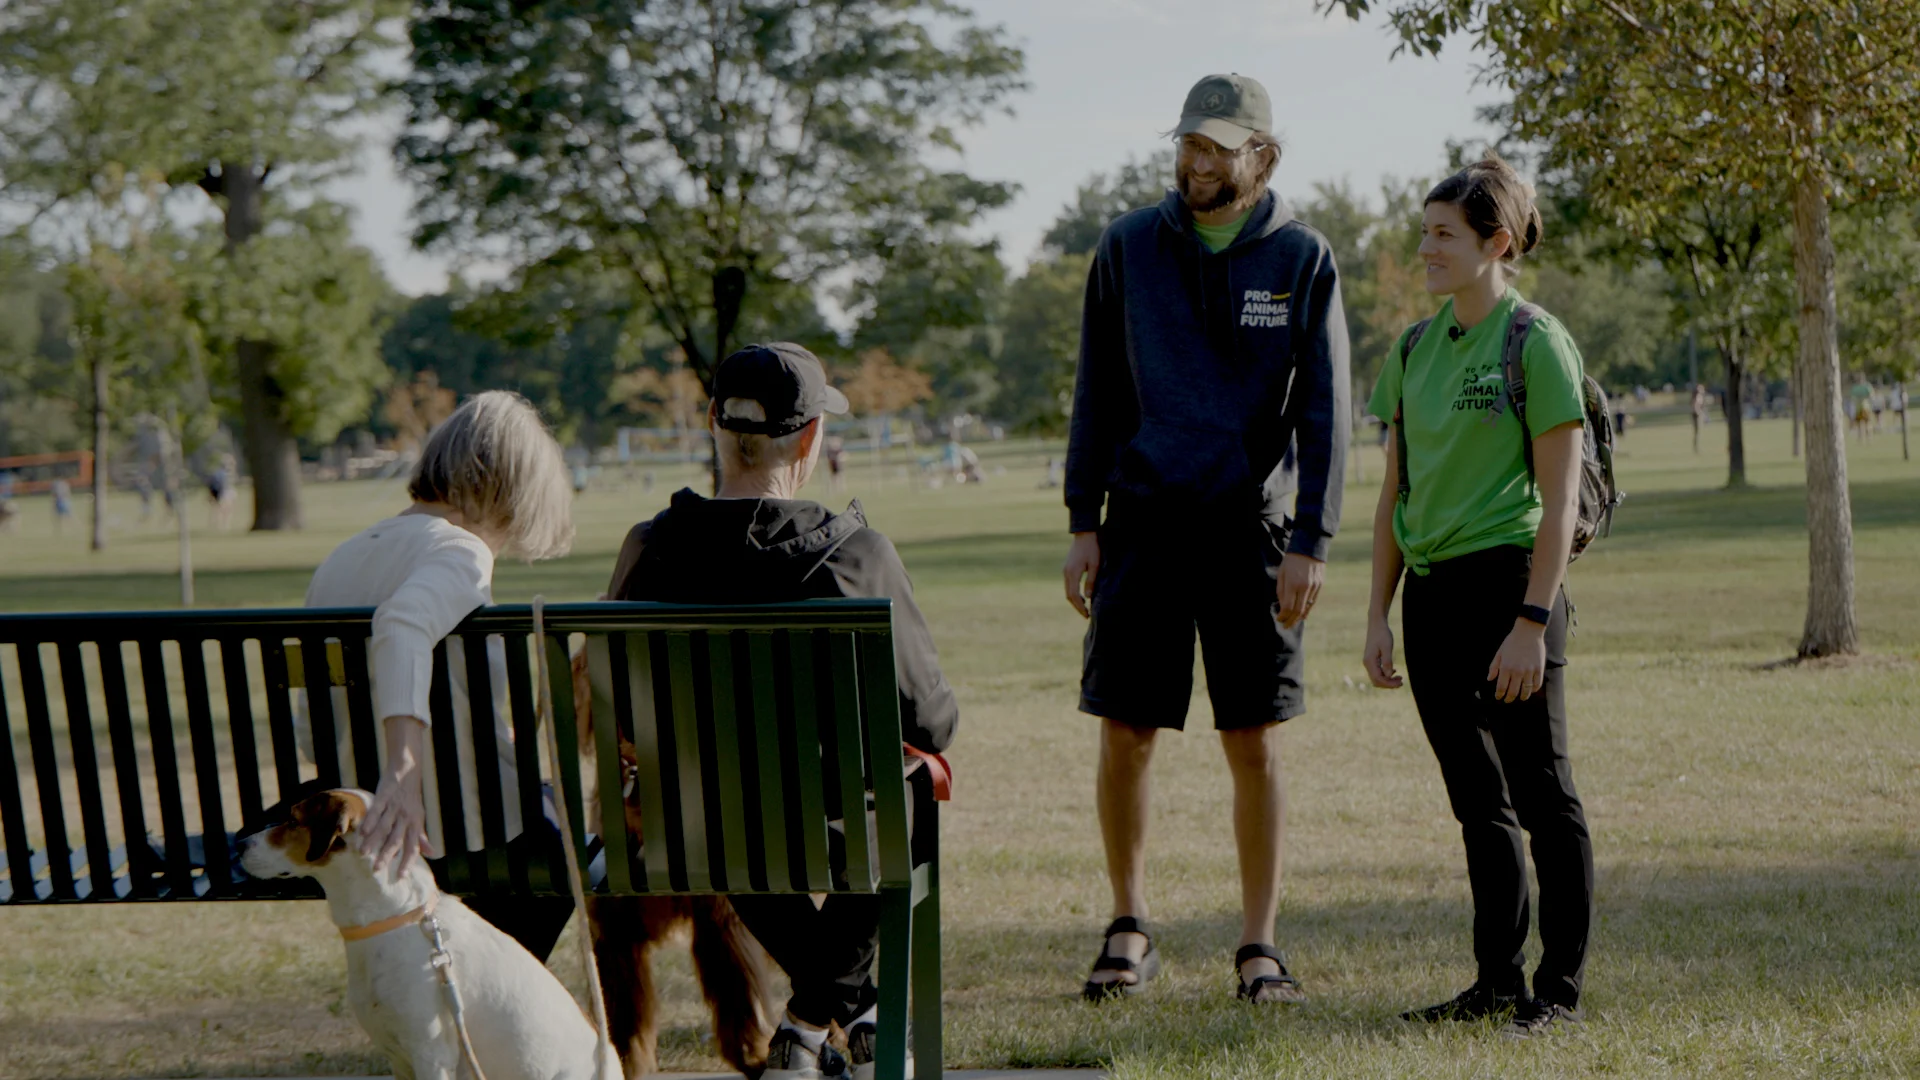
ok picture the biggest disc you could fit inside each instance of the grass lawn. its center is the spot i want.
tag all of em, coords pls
(1759, 907)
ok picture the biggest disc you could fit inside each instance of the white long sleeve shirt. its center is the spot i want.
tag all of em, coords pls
(422, 575)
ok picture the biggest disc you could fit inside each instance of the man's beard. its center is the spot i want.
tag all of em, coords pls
(1225, 192)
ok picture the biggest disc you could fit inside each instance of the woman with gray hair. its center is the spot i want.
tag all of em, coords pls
(490, 481)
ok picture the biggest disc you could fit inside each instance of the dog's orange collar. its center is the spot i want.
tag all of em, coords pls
(375, 929)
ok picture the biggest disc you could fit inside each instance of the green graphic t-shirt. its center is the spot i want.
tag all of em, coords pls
(1217, 237)
(1469, 478)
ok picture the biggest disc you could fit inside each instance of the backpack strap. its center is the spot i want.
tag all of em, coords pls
(1414, 334)
(1513, 372)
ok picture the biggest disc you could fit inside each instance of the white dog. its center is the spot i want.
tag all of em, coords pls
(522, 1022)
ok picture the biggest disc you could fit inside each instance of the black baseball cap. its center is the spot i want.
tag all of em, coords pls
(786, 379)
(1229, 109)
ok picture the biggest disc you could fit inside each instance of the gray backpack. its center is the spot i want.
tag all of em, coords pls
(1599, 495)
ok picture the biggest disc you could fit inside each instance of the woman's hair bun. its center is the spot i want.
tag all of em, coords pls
(1493, 196)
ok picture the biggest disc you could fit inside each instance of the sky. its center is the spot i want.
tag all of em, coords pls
(1107, 78)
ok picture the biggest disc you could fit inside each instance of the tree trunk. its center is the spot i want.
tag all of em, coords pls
(271, 450)
(1736, 415)
(1905, 455)
(1830, 628)
(1798, 388)
(273, 455)
(99, 453)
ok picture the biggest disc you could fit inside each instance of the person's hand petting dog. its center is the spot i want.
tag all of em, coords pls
(395, 828)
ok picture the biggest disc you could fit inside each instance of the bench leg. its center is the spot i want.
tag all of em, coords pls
(896, 963)
(927, 1030)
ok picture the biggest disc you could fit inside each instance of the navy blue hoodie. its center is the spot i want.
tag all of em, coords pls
(1212, 384)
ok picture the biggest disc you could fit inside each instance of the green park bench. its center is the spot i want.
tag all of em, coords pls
(167, 735)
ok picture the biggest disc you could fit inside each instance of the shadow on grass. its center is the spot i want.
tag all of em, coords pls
(1757, 946)
(1720, 513)
(1750, 947)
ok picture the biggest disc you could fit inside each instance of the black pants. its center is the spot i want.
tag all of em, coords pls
(827, 952)
(1505, 766)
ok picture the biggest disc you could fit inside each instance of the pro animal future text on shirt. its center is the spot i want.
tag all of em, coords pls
(1259, 308)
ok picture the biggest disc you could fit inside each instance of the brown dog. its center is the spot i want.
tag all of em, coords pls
(733, 968)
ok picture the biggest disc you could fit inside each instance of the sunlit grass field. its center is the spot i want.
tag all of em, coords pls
(1759, 909)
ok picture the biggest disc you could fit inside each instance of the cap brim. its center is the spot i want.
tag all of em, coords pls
(1229, 135)
(837, 402)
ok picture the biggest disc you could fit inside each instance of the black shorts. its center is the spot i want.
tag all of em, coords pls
(1159, 583)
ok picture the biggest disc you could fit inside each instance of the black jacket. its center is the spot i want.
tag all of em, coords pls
(1212, 382)
(749, 551)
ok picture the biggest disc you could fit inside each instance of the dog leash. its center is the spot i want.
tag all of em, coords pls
(440, 959)
(587, 960)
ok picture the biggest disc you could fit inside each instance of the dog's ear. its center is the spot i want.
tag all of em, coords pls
(328, 817)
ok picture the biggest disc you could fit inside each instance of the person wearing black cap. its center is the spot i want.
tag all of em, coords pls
(756, 541)
(1210, 421)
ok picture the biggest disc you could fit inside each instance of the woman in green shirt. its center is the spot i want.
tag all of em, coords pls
(1483, 543)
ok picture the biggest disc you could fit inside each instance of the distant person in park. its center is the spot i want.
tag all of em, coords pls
(836, 462)
(1484, 545)
(1211, 395)
(62, 493)
(1699, 412)
(1862, 410)
(490, 481)
(758, 541)
(222, 491)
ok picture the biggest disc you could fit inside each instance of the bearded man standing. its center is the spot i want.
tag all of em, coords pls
(1212, 390)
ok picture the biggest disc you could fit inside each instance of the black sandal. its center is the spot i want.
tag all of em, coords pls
(1144, 969)
(1286, 987)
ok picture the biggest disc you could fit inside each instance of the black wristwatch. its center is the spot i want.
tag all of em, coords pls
(1534, 613)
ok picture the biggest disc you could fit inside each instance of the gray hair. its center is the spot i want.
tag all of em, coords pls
(751, 451)
(495, 462)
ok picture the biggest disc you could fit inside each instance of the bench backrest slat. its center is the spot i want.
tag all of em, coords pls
(13, 819)
(850, 750)
(461, 868)
(46, 767)
(631, 657)
(689, 783)
(883, 729)
(361, 722)
(775, 868)
(764, 737)
(486, 756)
(566, 735)
(524, 872)
(286, 759)
(177, 864)
(86, 767)
(126, 768)
(246, 755)
(218, 871)
(737, 862)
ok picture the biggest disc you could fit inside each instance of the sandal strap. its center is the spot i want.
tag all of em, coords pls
(1260, 952)
(1127, 924)
(1252, 990)
(1108, 962)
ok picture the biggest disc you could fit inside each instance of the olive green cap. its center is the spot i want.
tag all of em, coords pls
(1229, 109)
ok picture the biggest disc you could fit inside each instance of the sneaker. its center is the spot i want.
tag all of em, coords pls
(1535, 1018)
(1476, 1002)
(861, 1039)
(789, 1058)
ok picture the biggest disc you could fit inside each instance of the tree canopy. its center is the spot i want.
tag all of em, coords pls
(1659, 104)
(700, 149)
